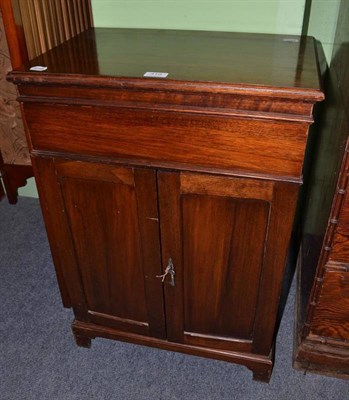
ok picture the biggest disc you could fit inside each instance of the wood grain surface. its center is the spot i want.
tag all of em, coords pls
(222, 247)
(103, 204)
(12, 138)
(331, 318)
(197, 175)
(12, 18)
(240, 144)
(340, 244)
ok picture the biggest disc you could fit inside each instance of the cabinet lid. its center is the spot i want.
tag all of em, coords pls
(274, 65)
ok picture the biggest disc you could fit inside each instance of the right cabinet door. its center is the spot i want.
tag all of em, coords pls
(227, 239)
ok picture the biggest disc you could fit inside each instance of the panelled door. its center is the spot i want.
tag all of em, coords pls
(221, 241)
(111, 214)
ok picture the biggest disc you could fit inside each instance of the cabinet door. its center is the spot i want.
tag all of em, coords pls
(227, 239)
(110, 214)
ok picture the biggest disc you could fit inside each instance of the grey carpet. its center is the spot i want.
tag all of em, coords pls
(39, 359)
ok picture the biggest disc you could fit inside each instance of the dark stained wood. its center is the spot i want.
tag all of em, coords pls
(340, 243)
(223, 243)
(223, 236)
(234, 144)
(12, 137)
(279, 232)
(260, 365)
(14, 32)
(308, 252)
(213, 102)
(331, 318)
(148, 224)
(94, 204)
(195, 175)
(171, 247)
(210, 57)
(59, 235)
(218, 342)
(13, 177)
(82, 341)
(14, 158)
(223, 186)
(262, 374)
(101, 203)
(96, 172)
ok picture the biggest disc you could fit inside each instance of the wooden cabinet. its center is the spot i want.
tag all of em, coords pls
(169, 202)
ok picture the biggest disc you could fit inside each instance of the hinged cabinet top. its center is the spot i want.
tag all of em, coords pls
(220, 62)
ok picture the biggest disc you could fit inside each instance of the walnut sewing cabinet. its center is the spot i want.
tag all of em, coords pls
(169, 202)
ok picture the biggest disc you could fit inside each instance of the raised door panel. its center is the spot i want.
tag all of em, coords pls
(112, 216)
(217, 232)
(223, 242)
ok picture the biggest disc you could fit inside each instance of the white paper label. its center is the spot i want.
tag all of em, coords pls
(38, 68)
(291, 40)
(156, 74)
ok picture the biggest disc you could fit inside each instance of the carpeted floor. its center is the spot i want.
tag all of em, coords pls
(39, 359)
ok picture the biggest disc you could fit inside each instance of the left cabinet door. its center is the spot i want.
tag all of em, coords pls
(107, 218)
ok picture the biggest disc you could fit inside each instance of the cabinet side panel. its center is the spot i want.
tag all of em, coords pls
(279, 232)
(59, 235)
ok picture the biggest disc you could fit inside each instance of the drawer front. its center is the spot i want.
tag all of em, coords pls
(331, 315)
(165, 138)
